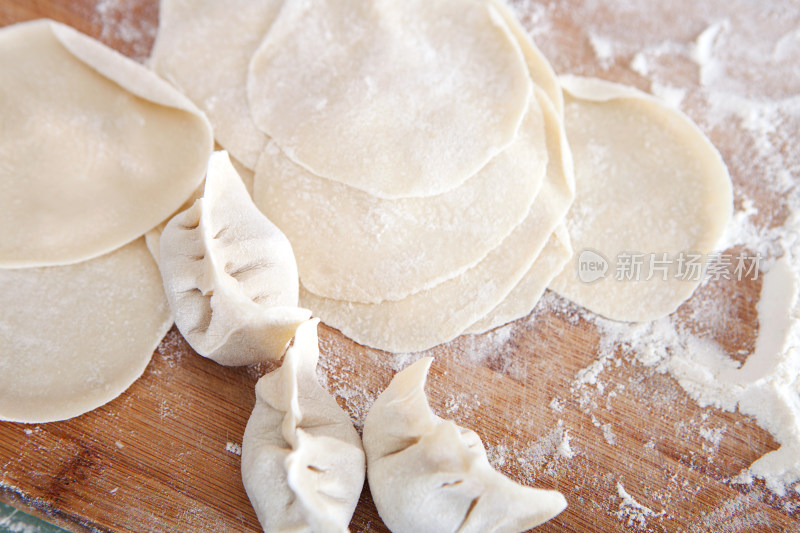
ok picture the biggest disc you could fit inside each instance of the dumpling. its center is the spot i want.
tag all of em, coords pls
(302, 460)
(229, 274)
(427, 474)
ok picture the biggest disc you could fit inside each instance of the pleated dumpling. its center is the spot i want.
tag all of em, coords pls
(229, 274)
(302, 460)
(427, 474)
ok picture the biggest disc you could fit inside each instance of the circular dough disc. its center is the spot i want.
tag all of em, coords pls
(75, 337)
(539, 68)
(395, 98)
(413, 243)
(523, 299)
(648, 182)
(441, 313)
(204, 47)
(86, 164)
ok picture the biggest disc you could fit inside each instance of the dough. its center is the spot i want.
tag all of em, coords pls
(74, 337)
(521, 301)
(230, 274)
(204, 47)
(366, 249)
(95, 151)
(247, 175)
(648, 182)
(427, 474)
(441, 313)
(302, 461)
(539, 67)
(395, 98)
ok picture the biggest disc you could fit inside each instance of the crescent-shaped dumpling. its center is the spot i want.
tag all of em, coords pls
(427, 474)
(230, 274)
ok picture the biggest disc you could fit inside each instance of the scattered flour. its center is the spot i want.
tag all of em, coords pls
(234, 448)
(122, 24)
(564, 449)
(554, 444)
(603, 49)
(633, 512)
(608, 434)
(765, 387)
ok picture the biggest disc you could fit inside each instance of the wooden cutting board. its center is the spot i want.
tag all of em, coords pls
(162, 456)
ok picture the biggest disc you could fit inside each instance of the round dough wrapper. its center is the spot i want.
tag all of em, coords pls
(395, 98)
(539, 67)
(366, 249)
(522, 300)
(74, 337)
(204, 47)
(95, 148)
(650, 186)
(441, 313)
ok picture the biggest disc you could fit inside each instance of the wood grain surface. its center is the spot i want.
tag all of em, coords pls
(158, 458)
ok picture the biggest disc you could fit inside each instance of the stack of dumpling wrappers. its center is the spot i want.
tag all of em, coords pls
(416, 156)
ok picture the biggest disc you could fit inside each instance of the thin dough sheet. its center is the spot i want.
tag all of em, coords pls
(441, 313)
(654, 196)
(521, 301)
(94, 153)
(75, 337)
(353, 246)
(204, 48)
(395, 98)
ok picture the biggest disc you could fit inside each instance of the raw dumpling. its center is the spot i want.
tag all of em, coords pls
(74, 337)
(395, 98)
(230, 274)
(651, 189)
(368, 249)
(204, 47)
(302, 460)
(427, 474)
(95, 149)
(444, 311)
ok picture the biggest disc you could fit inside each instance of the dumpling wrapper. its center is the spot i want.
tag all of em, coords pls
(427, 474)
(539, 67)
(204, 48)
(303, 465)
(524, 297)
(95, 148)
(648, 182)
(367, 249)
(230, 274)
(395, 98)
(443, 312)
(74, 337)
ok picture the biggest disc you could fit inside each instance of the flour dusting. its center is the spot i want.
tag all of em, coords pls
(234, 448)
(633, 512)
(122, 24)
